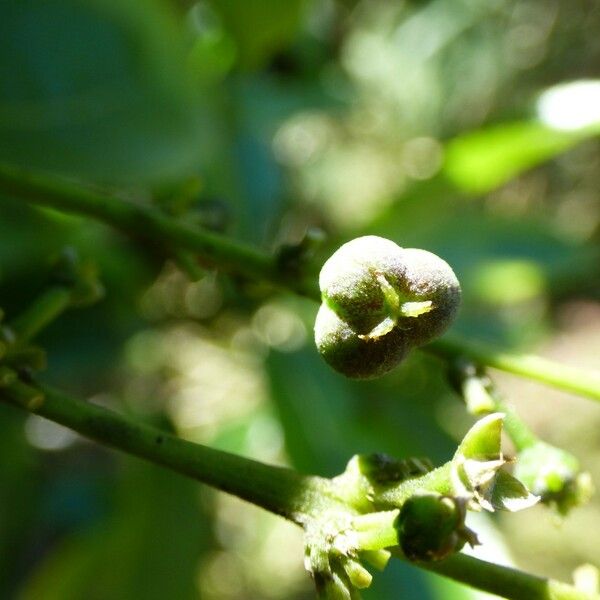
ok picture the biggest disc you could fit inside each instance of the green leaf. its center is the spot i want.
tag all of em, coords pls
(483, 160)
(97, 90)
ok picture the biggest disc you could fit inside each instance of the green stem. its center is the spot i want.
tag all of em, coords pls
(279, 490)
(481, 397)
(146, 222)
(504, 581)
(282, 491)
(496, 579)
(47, 307)
(540, 369)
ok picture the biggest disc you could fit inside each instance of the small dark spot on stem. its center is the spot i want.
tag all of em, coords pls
(159, 439)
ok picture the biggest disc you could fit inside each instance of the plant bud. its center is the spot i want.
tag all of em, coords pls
(379, 301)
(432, 527)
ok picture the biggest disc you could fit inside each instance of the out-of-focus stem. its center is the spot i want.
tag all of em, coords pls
(45, 309)
(539, 369)
(149, 223)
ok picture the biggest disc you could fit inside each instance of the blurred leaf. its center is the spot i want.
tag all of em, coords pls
(482, 160)
(315, 412)
(97, 90)
(327, 418)
(149, 548)
(260, 27)
(506, 282)
(64, 571)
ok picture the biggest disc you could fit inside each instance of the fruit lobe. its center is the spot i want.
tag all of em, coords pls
(379, 301)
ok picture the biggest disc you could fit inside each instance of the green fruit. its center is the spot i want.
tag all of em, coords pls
(432, 527)
(354, 356)
(379, 301)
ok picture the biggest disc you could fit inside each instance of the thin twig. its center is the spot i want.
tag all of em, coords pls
(282, 491)
(504, 581)
(149, 223)
(278, 490)
(539, 369)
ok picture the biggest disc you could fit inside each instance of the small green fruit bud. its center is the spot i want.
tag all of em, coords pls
(432, 527)
(379, 301)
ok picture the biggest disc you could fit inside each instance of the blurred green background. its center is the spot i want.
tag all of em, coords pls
(465, 127)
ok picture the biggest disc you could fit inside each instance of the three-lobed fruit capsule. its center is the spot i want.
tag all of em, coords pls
(378, 302)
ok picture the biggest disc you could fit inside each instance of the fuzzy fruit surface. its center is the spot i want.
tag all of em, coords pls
(355, 356)
(379, 301)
